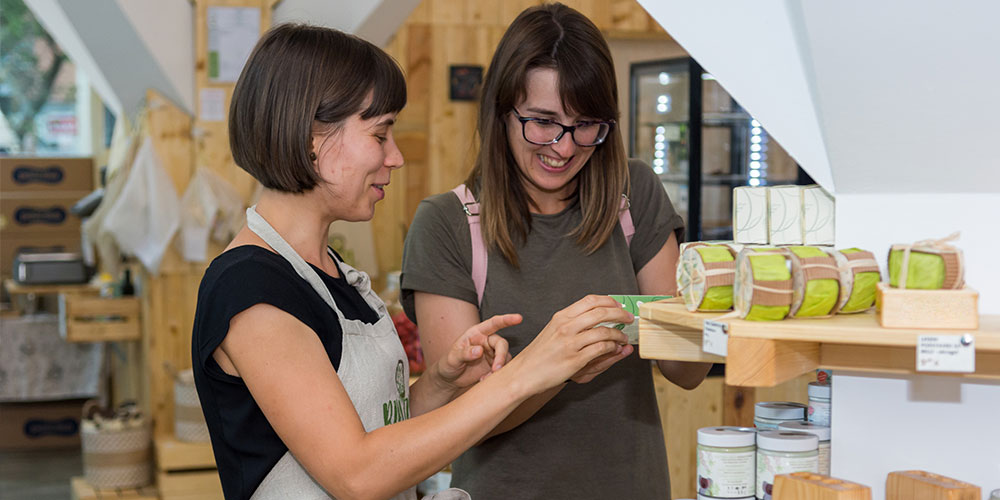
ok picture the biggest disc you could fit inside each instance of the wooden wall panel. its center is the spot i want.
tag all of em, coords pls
(682, 413)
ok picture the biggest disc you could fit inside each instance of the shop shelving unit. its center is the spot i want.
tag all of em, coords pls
(767, 353)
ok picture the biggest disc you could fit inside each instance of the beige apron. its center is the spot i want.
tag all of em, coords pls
(373, 369)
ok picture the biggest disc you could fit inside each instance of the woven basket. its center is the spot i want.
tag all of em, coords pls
(189, 421)
(117, 458)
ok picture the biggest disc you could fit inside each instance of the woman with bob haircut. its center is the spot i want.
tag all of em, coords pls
(562, 213)
(301, 375)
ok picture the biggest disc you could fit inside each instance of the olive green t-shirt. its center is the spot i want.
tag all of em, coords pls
(602, 439)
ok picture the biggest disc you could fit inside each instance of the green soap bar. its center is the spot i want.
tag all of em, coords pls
(821, 295)
(768, 313)
(863, 295)
(926, 270)
(719, 298)
(631, 304)
(769, 267)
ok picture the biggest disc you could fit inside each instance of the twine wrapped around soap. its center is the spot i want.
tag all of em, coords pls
(859, 277)
(954, 268)
(763, 286)
(815, 283)
(705, 275)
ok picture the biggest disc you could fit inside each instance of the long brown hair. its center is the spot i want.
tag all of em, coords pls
(548, 36)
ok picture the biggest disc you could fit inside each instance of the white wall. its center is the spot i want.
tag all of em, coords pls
(884, 423)
(876, 221)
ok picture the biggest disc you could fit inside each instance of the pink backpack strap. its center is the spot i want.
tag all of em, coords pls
(625, 219)
(479, 255)
(471, 207)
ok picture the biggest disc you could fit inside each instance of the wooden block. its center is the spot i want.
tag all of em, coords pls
(173, 455)
(923, 485)
(810, 486)
(202, 485)
(677, 342)
(82, 490)
(766, 363)
(927, 309)
(86, 318)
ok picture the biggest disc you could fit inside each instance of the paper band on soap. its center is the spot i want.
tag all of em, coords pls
(772, 293)
(861, 262)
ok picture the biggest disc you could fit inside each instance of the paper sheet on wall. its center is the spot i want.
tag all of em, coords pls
(212, 105)
(232, 34)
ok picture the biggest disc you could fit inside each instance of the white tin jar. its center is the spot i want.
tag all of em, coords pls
(768, 414)
(782, 452)
(726, 462)
(822, 433)
(819, 403)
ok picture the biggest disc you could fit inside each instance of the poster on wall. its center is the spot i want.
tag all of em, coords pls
(232, 34)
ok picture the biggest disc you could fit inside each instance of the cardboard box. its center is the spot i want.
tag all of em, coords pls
(11, 245)
(40, 425)
(27, 213)
(750, 215)
(818, 216)
(46, 174)
(784, 223)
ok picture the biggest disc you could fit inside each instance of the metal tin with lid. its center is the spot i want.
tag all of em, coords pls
(819, 403)
(768, 414)
(783, 452)
(726, 462)
(822, 433)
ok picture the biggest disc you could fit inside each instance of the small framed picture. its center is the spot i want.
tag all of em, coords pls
(465, 82)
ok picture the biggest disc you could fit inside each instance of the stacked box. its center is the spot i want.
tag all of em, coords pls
(36, 195)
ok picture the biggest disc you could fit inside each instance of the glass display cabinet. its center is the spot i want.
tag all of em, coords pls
(701, 144)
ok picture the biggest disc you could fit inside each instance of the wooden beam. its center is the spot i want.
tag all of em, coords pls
(766, 363)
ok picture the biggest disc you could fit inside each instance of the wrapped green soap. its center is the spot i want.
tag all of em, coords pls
(859, 277)
(815, 283)
(929, 265)
(705, 275)
(762, 290)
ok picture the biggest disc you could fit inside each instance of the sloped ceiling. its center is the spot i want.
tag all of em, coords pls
(127, 46)
(893, 97)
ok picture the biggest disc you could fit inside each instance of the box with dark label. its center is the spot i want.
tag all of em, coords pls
(24, 213)
(44, 424)
(46, 174)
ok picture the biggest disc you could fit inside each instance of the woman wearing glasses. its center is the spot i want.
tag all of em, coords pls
(551, 211)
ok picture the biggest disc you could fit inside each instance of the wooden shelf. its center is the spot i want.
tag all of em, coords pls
(767, 353)
(172, 454)
(15, 288)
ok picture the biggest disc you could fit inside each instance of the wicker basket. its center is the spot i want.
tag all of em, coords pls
(189, 421)
(117, 455)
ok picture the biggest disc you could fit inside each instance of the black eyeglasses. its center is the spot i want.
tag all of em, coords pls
(542, 131)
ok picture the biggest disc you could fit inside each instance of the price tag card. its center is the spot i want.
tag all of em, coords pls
(946, 353)
(715, 338)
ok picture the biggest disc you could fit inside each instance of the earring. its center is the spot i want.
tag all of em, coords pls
(312, 156)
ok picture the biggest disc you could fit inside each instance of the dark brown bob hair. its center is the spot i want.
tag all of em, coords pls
(557, 37)
(301, 80)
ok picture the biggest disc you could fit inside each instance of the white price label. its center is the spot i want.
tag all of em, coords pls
(946, 353)
(715, 337)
